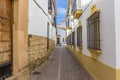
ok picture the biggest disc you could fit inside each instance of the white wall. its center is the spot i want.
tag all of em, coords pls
(107, 31)
(63, 35)
(38, 20)
(117, 28)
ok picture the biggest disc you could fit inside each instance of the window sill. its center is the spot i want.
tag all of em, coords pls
(69, 27)
(77, 14)
(80, 48)
(94, 53)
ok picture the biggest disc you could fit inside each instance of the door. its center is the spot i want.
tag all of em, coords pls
(5, 39)
(58, 40)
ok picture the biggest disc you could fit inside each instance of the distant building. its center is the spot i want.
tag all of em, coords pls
(61, 32)
(93, 34)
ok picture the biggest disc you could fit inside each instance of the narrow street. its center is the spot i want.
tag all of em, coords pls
(62, 65)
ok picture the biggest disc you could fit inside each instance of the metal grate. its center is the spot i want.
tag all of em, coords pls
(79, 36)
(73, 38)
(93, 31)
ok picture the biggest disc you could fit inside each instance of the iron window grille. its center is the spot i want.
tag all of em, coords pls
(79, 36)
(93, 31)
(69, 40)
(73, 38)
(55, 20)
(74, 6)
(49, 5)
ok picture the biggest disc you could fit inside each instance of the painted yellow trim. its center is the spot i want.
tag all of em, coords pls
(97, 69)
(94, 53)
(77, 14)
(69, 27)
(80, 24)
(94, 10)
(118, 74)
(80, 48)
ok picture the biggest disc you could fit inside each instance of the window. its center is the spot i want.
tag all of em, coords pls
(67, 22)
(63, 39)
(74, 6)
(49, 5)
(69, 40)
(79, 36)
(93, 31)
(55, 20)
(73, 38)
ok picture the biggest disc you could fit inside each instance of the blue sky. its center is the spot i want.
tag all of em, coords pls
(61, 9)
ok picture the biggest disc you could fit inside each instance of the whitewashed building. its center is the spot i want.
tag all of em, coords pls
(61, 33)
(41, 30)
(93, 36)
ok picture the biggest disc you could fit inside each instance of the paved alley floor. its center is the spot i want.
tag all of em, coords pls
(62, 65)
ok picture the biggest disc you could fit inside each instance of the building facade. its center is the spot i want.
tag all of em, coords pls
(41, 30)
(92, 35)
(27, 35)
(61, 33)
(13, 39)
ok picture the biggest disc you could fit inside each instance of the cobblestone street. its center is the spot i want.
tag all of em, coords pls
(62, 65)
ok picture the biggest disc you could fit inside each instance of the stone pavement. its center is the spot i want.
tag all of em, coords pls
(62, 65)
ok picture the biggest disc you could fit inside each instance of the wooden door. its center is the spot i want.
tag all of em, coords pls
(5, 39)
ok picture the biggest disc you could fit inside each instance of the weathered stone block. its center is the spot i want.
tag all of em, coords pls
(37, 50)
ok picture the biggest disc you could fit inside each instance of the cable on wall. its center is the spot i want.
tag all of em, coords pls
(42, 9)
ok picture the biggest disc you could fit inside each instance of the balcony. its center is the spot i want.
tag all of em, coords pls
(69, 27)
(77, 14)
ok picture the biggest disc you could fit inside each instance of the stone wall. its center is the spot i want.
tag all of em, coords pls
(37, 50)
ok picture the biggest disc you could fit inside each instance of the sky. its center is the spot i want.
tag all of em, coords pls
(61, 9)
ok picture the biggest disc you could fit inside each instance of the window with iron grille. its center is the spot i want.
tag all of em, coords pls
(93, 31)
(73, 38)
(69, 40)
(74, 6)
(49, 5)
(55, 20)
(67, 23)
(79, 36)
